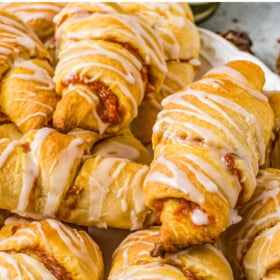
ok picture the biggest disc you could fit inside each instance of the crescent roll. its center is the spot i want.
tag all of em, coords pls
(173, 22)
(252, 245)
(209, 141)
(105, 71)
(47, 249)
(38, 16)
(132, 260)
(47, 174)
(27, 94)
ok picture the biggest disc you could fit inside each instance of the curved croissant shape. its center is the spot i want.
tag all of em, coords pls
(132, 260)
(38, 16)
(252, 245)
(17, 41)
(209, 141)
(106, 71)
(27, 94)
(173, 22)
(44, 174)
(47, 249)
(27, 89)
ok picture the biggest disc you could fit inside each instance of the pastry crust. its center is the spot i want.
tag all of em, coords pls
(27, 95)
(252, 245)
(52, 175)
(214, 127)
(38, 16)
(99, 67)
(49, 249)
(132, 260)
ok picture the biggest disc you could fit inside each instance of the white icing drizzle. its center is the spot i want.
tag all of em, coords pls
(60, 173)
(81, 246)
(15, 36)
(30, 116)
(74, 242)
(38, 74)
(238, 145)
(8, 150)
(179, 179)
(130, 74)
(239, 79)
(31, 168)
(142, 266)
(199, 218)
(253, 227)
(102, 179)
(34, 11)
(117, 149)
(146, 38)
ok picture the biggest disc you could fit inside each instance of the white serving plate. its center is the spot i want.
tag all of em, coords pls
(215, 51)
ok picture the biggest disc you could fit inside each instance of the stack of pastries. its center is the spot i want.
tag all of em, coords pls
(78, 119)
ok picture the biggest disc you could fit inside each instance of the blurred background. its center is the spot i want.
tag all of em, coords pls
(259, 21)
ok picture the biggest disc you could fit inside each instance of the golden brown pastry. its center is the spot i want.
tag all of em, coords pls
(47, 249)
(252, 245)
(38, 16)
(27, 91)
(10, 131)
(17, 41)
(101, 59)
(49, 174)
(174, 23)
(27, 94)
(209, 141)
(132, 260)
(123, 145)
(273, 149)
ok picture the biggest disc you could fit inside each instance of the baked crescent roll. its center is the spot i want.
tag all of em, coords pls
(213, 132)
(38, 16)
(174, 24)
(107, 192)
(47, 174)
(96, 81)
(132, 260)
(17, 41)
(252, 245)
(47, 249)
(27, 94)
(99, 67)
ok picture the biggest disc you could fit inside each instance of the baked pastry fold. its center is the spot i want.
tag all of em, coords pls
(27, 94)
(132, 260)
(17, 41)
(48, 249)
(213, 131)
(105, 70)
(38, 16)
(47, 174)
(173, 22)
(252, 245)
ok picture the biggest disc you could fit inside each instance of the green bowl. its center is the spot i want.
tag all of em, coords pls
(203, 10)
